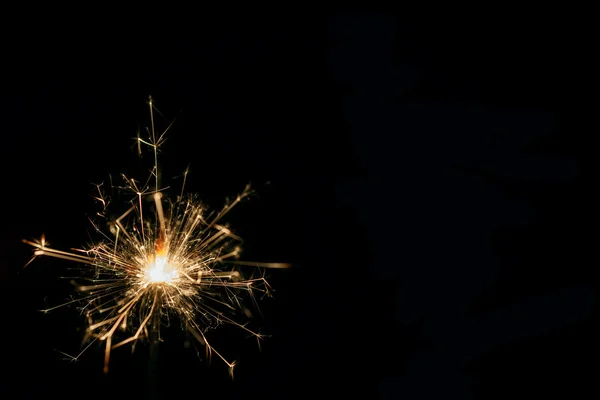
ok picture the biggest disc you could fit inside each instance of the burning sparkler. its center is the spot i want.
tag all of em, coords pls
(174, 258)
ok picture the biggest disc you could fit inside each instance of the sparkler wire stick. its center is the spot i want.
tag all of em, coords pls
(153, 363)
(175, 259)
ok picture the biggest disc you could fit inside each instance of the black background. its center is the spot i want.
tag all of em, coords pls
(429, 178)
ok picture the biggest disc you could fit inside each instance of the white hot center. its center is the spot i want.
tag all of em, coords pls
(161, 271)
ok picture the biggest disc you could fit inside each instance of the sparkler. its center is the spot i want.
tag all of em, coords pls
(172, 258)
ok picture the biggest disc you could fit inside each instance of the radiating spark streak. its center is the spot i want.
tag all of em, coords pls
(230, 206)
(154, 143)
(61, 254)
(161, 214)
(261, 264)
(185, 174)
(141, 216)
(75, 358)
(179, 261)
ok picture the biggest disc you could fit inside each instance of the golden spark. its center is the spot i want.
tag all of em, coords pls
(169, 258)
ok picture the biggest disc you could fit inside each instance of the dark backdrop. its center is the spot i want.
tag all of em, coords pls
(429, 178)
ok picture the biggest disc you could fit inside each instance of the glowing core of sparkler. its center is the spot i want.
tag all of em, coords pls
(161, 271)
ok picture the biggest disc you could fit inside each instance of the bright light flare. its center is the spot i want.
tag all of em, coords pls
(160, 271)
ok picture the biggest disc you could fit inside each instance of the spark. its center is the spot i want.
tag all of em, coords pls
(169, 258)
